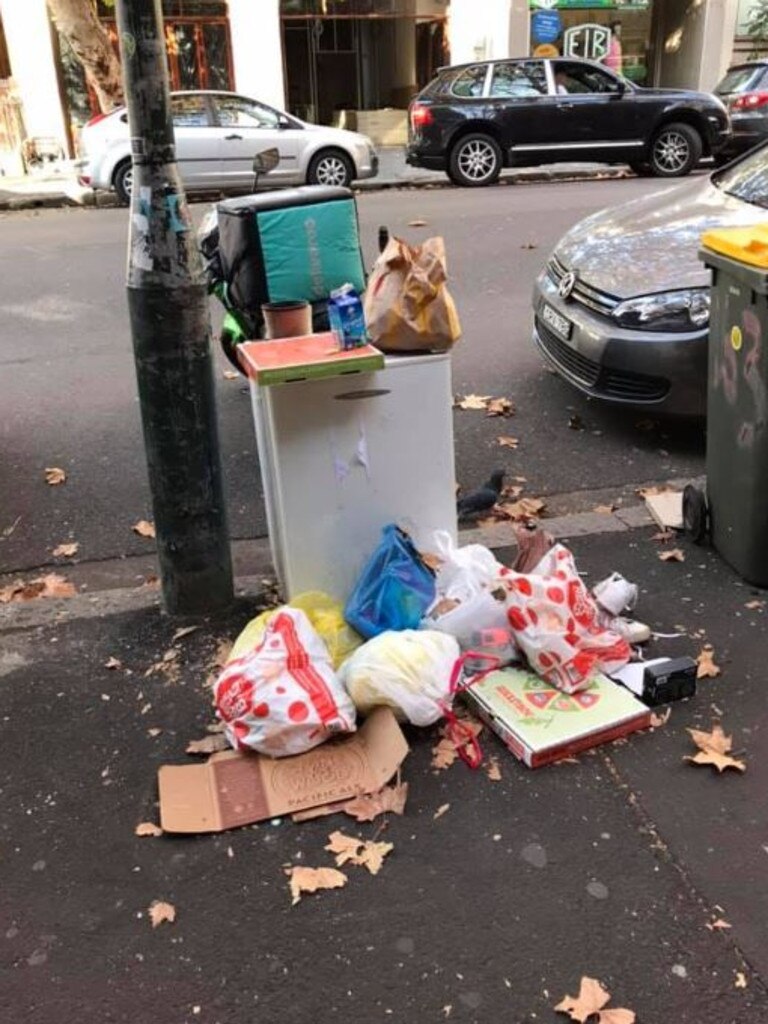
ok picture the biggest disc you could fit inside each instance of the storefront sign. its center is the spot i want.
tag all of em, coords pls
(588, 41)
(546, 26)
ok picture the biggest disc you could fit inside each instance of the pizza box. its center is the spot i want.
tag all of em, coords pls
(311, 357)
(541, 724)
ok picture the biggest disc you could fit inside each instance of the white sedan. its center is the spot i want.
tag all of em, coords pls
(217, 136)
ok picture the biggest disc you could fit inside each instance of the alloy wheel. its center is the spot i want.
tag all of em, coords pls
(671, 151)
(477, 160)
(331, 170)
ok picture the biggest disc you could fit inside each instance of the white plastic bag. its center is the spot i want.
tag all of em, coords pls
(282, 696)
(463, 572)
(409, 671)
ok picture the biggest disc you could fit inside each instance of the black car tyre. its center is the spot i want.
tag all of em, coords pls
(123, 181)
(475, 160)
(675, 150)
(331, 167)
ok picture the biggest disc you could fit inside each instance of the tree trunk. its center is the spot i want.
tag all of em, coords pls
(79, 24)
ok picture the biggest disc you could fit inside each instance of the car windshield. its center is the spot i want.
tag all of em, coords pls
(739, 80)
(748, 179)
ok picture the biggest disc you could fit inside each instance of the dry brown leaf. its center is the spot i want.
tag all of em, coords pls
(507, 442)
(440, 811)
(618, 1016)
(605, 510)
(55, 476)
(364, 853)
(443, 754)
(512, 492)
(50, 585)
(388, 799)
(523, 509)
(231, 375)
(148, 828)
(658, 720)
(215, 727)
(344, 847)
(707, 669)
(66, 550)
(144, 528)
(662, 536)
(313, 880)
(208, 744)
(714, 748)
(473, 402)
(159, 912)
(752, 605)
(741, 980)
(113, 663)
(373, 854)
(154, 732)
(493, 771)
(718, 925)
(500, 407)
(650, 492)
(673, 555)
(591, 999)
(417, 222)
(184, 631)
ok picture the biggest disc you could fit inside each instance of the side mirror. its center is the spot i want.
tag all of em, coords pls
(266, 161)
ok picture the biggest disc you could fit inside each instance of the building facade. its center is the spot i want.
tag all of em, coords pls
(352, 61)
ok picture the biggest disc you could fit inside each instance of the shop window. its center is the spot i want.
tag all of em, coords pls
(519, 78)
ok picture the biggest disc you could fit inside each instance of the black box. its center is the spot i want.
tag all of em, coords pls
(671, 680)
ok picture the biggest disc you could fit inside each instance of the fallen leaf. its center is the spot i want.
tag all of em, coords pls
(473, 402)
(184, 631)
(714, 748)
(741, 980)
(707, 669)
(752, 605)
(113, 663)
(440, 811)
(500, 407)
(159, 912)
(364, 853)
(55, 476)
(215, 727)
(619, 1016)
(417, 223)
(512, 492)
(493, 771)
(231, 375)
(388, 799)
(605, 510)
(658, 720)
(144, 528)
(50, 585)
(154, 732)
(65, 550)
(507, 442)
(650, 492)
(313, 880)
(8, 530)
(445, 752)
(343, 847)
(718, 925)
(208, 744)
(673, 555)
(591, 999)
(576, 422)
(663, 536)
(521, 510)
(148, 828)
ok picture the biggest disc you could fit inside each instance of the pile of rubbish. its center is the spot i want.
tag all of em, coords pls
(431, 632)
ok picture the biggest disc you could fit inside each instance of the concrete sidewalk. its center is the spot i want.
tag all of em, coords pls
(611, 866)
(59, 187)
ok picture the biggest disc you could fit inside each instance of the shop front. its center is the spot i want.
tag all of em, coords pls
(617, 33)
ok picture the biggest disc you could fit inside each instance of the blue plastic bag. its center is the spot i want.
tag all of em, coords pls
(395, 589)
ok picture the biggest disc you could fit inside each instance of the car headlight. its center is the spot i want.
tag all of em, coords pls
(667, 311)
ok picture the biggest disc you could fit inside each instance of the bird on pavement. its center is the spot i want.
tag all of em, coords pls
(483, 498)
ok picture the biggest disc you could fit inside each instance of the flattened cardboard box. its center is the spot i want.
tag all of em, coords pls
(233, 788)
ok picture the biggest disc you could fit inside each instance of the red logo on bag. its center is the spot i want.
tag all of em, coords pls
(234, 697)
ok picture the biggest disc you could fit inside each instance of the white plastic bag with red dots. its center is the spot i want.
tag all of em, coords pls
(282, 696)
(556, 623)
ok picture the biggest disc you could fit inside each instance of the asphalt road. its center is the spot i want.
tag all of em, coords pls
(68, 397)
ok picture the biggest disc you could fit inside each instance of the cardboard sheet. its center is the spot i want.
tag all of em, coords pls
(232, 788)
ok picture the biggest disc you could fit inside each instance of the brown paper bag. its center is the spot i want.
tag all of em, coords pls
(407, 304)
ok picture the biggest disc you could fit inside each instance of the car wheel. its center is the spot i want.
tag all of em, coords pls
(475, 160)
(331, 167)
(123, 181)
(675, 150)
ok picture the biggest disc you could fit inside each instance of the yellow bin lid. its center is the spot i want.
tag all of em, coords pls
(745, 245)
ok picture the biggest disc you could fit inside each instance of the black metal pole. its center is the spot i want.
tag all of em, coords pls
(168, 306)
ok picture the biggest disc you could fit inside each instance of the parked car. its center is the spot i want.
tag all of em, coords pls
(744, 91)
(621, 309)
(474, 119)
(217, 136)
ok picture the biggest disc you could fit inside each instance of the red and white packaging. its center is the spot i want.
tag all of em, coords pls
(556, 623)
(283, 697)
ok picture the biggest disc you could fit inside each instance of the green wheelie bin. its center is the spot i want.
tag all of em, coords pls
(737, 403)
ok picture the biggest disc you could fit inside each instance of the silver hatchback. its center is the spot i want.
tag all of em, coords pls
(621, 309)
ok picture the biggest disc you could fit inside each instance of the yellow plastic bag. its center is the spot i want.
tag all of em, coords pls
(326, 617)
(407, 303)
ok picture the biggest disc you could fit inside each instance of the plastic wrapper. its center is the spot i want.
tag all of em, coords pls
(282, 696)
(556, 623)
(409, 671)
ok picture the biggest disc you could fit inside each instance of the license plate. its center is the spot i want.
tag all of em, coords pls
(559, 324)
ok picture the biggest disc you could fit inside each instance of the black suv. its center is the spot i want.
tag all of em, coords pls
(474, 119)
